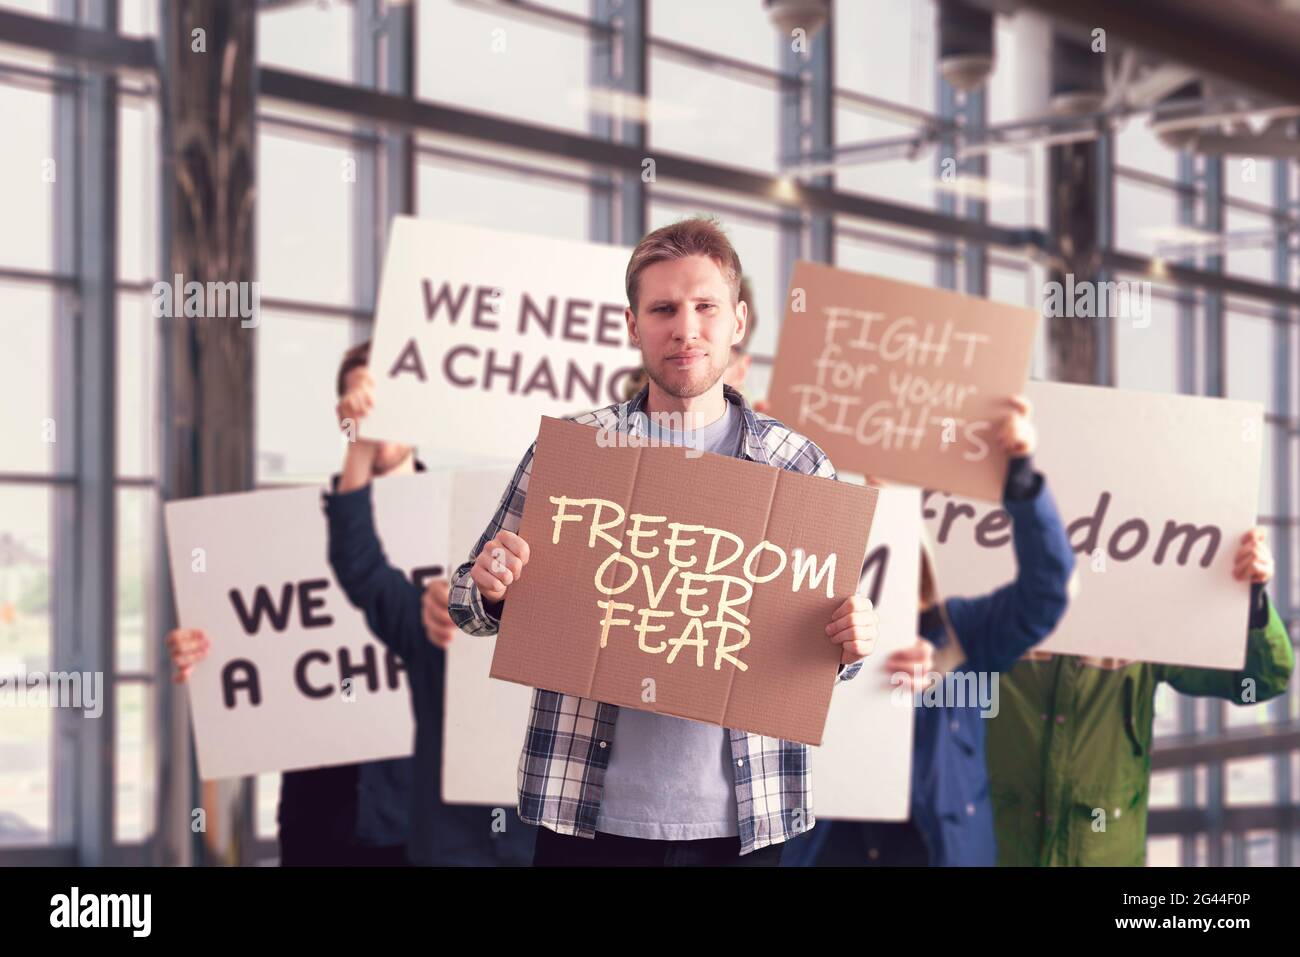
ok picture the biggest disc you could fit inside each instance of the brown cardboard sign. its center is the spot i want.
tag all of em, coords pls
(901, 381)
(698, 586)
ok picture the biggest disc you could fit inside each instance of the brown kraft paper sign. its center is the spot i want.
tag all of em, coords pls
(695, 586)
(901, 381)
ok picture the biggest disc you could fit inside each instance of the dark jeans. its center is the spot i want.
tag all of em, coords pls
(611, 850)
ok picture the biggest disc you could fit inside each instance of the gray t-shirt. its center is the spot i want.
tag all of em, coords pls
(670, 779)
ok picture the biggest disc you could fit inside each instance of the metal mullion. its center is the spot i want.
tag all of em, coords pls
(1188, 383)
(515, 167)
(1276, 313)
(757, 217)
(1177, 186)
(35, 277)
(945, 263)
(700, 59)
(44, 81)
(1104, 373)
(400, 63)
(1274, 213)
(174, 843)
(864, 104)
(318, 309)
(799, 134)
(618, 62)
(137, 677)
(90, 45)
(1279, 520)
(975, 255)
(820, 100)
(543, 15)
(884, 239)
(361, 135)
(1284, 534)
(56, 479)
(367, 219)
(1214, 370)
(64, 569)
(87, 242)
(1188, 276)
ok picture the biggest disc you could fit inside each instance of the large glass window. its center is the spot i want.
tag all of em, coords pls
(30, 171)
(26, 647)
(1146, 350)
(490, 59)
(37, 442)
(305, 232)
(502, 192)
(314, 37)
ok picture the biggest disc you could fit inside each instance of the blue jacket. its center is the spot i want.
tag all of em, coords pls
(950, 786)
(440, 834)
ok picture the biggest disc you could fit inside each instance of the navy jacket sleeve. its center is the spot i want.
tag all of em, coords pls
(388, 599)
(996, 629)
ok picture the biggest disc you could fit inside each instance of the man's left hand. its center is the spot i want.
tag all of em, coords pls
(854, 627)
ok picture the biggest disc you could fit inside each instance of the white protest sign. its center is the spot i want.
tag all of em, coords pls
(863, 769)
(484, 720)
(1155, 492)
(479, 332)
(294, 678)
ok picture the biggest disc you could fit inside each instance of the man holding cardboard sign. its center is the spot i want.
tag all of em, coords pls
(672, 791)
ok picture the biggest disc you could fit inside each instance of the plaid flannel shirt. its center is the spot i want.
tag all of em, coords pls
(567, 747)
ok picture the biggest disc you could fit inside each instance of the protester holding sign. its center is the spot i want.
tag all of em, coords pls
(1070, 751)
(666, 791)
(974, 640)
(327, 815)
(418, 629)
(348, 814)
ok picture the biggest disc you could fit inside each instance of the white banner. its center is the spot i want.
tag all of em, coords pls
(294, 679)
(484, 720)
(1156, 492)
(480, 332)
(863, 770)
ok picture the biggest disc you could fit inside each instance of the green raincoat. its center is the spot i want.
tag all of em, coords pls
(1069, 752)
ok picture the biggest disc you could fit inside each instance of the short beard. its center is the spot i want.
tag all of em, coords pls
(714, 380)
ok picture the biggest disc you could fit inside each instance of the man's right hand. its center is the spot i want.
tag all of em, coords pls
(499, 565)
(188, 646)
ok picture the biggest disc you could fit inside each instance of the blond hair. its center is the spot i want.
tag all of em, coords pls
(697, 236)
